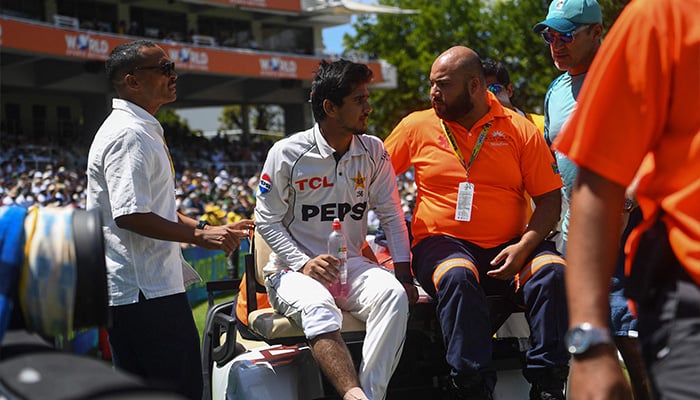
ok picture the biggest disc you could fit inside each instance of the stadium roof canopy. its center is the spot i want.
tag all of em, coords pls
(355, 7)
(225, 51)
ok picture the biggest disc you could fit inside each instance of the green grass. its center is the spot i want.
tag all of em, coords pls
(199, 311)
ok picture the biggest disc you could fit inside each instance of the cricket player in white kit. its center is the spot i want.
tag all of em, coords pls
(334, 170)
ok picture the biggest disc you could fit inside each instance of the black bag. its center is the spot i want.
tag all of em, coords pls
(651, 264)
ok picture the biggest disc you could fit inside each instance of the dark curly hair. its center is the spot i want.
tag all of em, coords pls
(334, 81)
(498, 70)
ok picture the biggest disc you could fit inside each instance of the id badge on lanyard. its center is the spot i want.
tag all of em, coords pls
(465, 198)
(465, 193)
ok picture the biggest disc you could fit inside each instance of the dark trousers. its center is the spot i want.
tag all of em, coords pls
(669, 330)
(463, 310)
(158, 340)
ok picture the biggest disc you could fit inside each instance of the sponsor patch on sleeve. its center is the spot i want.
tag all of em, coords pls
(265, 183)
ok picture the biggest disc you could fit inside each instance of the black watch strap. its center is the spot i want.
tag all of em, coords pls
(202, 223)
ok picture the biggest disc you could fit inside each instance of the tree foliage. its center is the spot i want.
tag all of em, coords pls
(177, 129)
(168, 117)
(497, 29)
(262, 116)
(231, 117)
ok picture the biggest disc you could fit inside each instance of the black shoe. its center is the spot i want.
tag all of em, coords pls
(550, 384)
(538, 392)
(469, 388)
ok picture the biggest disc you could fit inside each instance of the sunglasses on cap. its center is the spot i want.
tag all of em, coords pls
(167, 68)
(550, 36)
(496, 88)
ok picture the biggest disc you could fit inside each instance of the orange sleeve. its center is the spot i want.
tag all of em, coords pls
(639, 109)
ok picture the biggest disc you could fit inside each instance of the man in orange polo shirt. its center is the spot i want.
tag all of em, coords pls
(638, 110)
(474, 161)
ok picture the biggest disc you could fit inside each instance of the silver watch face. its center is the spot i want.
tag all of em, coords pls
(581, 338)
(578, 340)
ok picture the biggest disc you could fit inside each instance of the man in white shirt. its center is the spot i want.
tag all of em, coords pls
(131, 181)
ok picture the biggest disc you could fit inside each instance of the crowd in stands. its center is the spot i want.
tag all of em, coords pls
(204, 187)
(210, 184)
(37, 175)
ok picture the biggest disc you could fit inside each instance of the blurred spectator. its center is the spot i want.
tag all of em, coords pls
(135, 29)
(121, 28)
(214, 215)
(48, 176)
(206, 178)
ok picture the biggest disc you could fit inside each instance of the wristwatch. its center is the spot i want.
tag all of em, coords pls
(202, 223)
(581, 338)
(629, 205)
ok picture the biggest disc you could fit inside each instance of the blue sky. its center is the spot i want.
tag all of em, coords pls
(333, 38)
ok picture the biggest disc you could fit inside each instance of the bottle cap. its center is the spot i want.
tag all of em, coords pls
(336, 224)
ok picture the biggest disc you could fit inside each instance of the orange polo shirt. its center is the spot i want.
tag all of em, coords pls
(641, 102)
(514, 159)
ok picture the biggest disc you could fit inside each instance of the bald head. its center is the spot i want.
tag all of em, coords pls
(458, 86)
(462, 60)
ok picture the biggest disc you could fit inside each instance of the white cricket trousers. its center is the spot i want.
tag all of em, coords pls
(374, 296)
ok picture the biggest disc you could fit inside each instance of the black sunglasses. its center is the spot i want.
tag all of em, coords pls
(167, 68)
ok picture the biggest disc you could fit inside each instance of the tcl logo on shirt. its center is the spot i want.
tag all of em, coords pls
(314, 183)
(326, 212)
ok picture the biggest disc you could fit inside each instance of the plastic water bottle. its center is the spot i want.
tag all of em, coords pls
(337, 247)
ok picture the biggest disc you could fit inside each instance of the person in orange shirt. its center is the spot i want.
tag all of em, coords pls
(474, 160)
(637, 114)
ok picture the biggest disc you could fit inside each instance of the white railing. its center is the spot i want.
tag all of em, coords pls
(65, 21)
(203, 40)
